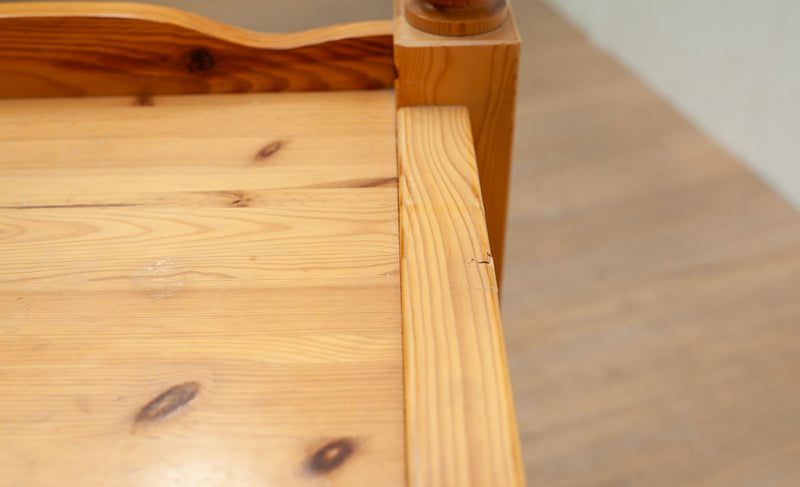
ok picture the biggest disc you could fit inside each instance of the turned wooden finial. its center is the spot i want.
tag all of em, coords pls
(456, 17)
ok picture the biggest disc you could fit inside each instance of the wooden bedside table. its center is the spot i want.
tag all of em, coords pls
(206, 287)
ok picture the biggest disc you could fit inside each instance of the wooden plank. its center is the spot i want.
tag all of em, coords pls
(110, 48)
(180, 305)
(479, 72)
(652, 296)
(204, 156)
(459, 413)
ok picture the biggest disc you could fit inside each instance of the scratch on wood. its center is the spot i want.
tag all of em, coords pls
(487, 260)
(331, 456)
(161, 279)
(268, 150)
(16, 316)
(83, 405)
(167, 403)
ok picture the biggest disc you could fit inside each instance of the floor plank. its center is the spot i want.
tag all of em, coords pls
(651, 292)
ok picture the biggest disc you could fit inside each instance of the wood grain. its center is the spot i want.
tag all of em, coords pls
(651, 299)
(459, 412)
(110, 48)
(175, 308)
(479, 72)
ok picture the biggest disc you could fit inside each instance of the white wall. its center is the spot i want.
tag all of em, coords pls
(278, 15)
(731, 66)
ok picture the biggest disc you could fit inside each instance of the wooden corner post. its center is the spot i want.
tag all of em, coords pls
(465, 52)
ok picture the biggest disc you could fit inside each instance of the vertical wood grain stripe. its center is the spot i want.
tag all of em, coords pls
(461, 429)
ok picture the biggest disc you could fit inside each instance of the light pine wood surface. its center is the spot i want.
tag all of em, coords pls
(479, 72)
(203, 290)
(459, 408)
(650, 300)
(652, 290)
(117, 48)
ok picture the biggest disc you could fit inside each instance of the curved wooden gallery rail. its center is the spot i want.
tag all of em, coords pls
(92, 48)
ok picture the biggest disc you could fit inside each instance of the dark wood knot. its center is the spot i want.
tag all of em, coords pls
(167, 403)
(268, 150)
(199, 60)
(331, 456)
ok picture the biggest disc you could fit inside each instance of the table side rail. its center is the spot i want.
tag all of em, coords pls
(460, 423)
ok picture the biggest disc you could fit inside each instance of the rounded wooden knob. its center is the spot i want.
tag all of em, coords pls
(456, 17)
(466, 4)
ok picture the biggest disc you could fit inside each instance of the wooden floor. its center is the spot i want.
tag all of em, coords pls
(652, 288)
(200, 290)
